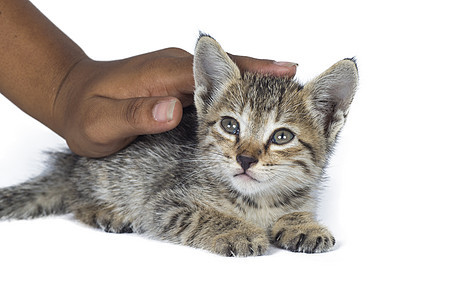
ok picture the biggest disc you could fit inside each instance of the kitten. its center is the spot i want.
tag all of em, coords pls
(239, 172)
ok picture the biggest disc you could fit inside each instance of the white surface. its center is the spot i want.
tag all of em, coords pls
(387, 200)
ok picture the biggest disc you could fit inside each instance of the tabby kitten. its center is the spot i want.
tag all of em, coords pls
(239, 172)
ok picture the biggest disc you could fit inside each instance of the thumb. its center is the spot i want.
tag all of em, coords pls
(147, 115)
(108, 125)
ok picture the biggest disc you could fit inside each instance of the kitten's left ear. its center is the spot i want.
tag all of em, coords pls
(331, 94)
(213, 71)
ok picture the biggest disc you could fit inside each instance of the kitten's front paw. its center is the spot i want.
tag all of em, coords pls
(241, 243)
(302, 236)
(307, 238)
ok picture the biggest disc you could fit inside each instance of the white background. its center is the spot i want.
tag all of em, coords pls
(387, 199)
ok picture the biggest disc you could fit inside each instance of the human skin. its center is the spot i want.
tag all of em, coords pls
(98, 107)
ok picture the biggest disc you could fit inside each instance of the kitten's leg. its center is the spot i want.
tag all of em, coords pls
(209, 229)
(299, 232)
(103, 216)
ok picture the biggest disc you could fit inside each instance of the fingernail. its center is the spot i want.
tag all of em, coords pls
(164, 111)
(286, 64)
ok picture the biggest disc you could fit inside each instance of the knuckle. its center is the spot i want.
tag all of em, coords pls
(134, 112)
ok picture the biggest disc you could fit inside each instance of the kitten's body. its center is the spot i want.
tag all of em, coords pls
(227, 179)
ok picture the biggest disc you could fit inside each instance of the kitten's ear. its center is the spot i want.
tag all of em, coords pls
(331, 94)
(213, 71)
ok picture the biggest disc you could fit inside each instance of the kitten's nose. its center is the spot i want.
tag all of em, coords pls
(246, 161)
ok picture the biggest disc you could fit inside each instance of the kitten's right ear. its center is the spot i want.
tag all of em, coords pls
(213, 71)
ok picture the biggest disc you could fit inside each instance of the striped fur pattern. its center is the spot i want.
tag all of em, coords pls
(239, 173)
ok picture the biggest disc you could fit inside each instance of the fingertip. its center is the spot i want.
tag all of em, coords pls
(150, 115)
(163, 111)
(265, 66)
(167, 114)
(285, 68)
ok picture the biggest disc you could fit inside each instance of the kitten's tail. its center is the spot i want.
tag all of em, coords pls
(43, 195)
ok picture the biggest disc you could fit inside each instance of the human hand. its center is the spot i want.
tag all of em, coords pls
(101, 107)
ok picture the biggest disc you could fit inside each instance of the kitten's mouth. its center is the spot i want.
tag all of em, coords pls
(245, 176)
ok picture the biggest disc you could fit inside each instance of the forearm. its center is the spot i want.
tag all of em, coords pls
(97, 107)
(35, 57)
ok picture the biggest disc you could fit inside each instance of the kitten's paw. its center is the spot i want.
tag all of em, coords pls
(241, 243)
(104, 218)
(303, 235)
(307, 238)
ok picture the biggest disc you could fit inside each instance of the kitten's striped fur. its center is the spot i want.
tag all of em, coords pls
(239, 172)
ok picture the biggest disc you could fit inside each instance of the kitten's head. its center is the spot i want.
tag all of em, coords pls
(263, 134)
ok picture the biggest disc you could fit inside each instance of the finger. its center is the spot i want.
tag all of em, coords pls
(155, 74)
(122, 119)
(148, 115)
(265, 66)
(171, 77)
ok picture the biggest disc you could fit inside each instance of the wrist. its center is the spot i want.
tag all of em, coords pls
(73, 86)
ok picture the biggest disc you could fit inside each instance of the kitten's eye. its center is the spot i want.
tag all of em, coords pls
(282, 136)
(230, 125)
